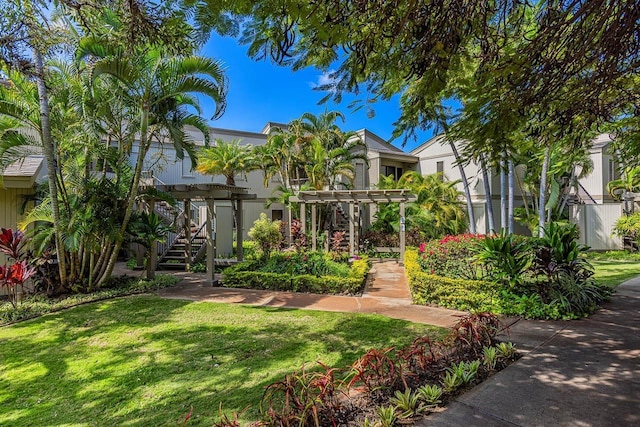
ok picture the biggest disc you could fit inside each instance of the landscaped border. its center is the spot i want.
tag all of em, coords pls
(461, 294)
(241, 276)
(39, 305)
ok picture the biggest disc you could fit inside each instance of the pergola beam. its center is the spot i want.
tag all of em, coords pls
(355, 196)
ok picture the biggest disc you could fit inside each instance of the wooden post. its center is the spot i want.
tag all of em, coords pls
(290, 219)
(187, 235)
(351, 229)
(239, 235)
(152, 260)
(211, 240)
(314, 234)
(356, 234)
(402, 230)
(303, 218)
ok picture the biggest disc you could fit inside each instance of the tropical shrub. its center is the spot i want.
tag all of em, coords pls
(266, 234)
(564, 275)
(506, 258)
(389, 385)
(451, 257)
(300, 272)
(628, 228)
(14, 275)
(544, 278)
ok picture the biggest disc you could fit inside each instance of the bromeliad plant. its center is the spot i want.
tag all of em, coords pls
(507, 259)
(14, 276)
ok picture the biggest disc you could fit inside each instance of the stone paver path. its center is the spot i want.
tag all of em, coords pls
(387, 294)
(576, 373)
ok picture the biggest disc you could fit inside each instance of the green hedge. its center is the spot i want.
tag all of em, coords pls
(460, 294)
(243, 275)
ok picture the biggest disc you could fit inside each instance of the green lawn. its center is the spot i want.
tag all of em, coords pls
(611, 272)
(143, 361)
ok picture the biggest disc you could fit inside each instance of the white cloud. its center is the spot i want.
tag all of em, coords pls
(326, 78)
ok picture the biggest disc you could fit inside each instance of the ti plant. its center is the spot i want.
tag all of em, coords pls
(431, 395)
(14, 276)
(408, 403)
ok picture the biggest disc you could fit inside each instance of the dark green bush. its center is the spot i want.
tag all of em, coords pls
(461, 294)
(292, 274)
(547, 278)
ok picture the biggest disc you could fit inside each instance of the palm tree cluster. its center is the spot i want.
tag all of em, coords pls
(436, 212)
(311, 152)
(105, 107)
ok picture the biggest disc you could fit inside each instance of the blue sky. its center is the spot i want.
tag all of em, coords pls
(262, 91)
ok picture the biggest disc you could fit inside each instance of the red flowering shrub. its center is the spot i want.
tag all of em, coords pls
(15, 275)
(451, 256)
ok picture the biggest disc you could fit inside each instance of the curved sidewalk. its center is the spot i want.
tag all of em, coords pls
(575, 373)
(387, 294)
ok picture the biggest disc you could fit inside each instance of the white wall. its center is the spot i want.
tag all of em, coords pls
(596, 224)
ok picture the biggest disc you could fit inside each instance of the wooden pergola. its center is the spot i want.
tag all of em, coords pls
(353, 198)
(210, 193)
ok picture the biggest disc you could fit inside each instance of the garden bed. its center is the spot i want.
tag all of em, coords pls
(312, 272)
(390, 386)
(538, 278)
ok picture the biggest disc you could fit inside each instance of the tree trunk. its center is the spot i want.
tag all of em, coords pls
(487, 195)
(142, 151)
(543, 191)
(49, 153)
(511, 185)
(503, 193)
(467, 192)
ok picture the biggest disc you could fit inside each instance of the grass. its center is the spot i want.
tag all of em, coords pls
(143, 361)
(612, 273)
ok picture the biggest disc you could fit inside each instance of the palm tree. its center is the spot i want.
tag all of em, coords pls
(436, 212)
(628, 183)
(227, 159)
(147, 229)
(159, 92)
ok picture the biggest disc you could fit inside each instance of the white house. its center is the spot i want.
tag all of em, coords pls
(435, 155)
(594, 210)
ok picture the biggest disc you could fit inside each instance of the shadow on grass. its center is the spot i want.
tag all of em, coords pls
(144, 361)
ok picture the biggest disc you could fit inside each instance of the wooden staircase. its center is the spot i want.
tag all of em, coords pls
(341, 224)
(173, 257)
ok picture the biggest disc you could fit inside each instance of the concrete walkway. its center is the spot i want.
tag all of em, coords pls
(387, 294)
(577, 373)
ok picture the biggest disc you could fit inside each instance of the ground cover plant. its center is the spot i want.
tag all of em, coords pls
(548, 277)
(301, 271)
(144, 360)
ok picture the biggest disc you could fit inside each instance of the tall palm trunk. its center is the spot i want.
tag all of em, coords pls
(131, 197)
(487, 195)
(511, 184)
(503, 193)
(465, 185)
(543, 191)
(49, 153)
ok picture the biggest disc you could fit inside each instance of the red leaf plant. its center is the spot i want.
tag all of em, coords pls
(15, 275)
(11, 242)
